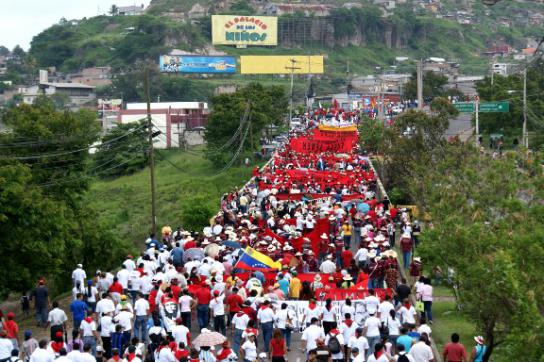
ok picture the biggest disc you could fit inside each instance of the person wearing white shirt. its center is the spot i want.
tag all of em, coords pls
(86, 356)
(424, 327)
(284, 322)
(56, 319)
(384, 308)
(105, 305)
(408, 314)
(334, 333)
(360, 342)
(145, 285)
(205, 268)
(62, 356)
(371, 302)
(378, 355)
(74, 355)
(312, 334)
(266, 316)
(421, 352)
(361, 256)
(393, 324)
(347, 328)
(181, 333)
(41, 354)
(89, 333)
(106, 329)
(123, 276)
(313, 311)
(249, 349)
(79, 275)
(124, 318)
(371, 330)
(6, 346)
(239, 324)
(141, 310)
(402, 352)
(217, 306)
(328, 266)
(129, 263)
(165, 354)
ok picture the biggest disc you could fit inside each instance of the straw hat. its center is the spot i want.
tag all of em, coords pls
(317, 278)
(480, 340)
(418, 259)
(347, 277)
(324, 236)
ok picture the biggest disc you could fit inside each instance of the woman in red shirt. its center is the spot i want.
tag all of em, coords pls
(278, 348)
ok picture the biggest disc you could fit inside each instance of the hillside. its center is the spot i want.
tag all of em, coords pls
(362, 36)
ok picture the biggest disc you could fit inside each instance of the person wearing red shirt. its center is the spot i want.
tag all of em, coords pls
(12, 329)
(406, 247)
(225, 352)
(347, 257)
(454, 351)
(152, 297)
(278, 348)
(234, 303)
(175, 288)
(251, 313)
(189, 244)
(203, 297)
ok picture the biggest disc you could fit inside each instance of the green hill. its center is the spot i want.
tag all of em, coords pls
(361, 36)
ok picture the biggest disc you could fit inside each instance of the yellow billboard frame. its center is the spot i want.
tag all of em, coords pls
(241, 30)
(282, 64)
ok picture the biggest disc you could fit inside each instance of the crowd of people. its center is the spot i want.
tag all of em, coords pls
(318, 215)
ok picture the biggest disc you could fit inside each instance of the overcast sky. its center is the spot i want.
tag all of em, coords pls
(20, 20)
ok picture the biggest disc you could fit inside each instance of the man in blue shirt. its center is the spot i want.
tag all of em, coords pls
(284, 285)
(177, 255)
(404, 339)
(78, 309)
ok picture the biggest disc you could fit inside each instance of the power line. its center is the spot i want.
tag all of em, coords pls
(73, 151)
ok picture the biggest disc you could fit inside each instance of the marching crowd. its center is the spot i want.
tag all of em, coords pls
(188, 284)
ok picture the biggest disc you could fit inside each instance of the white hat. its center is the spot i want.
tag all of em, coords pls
(329, 256)
(324, 236)
(418, 259)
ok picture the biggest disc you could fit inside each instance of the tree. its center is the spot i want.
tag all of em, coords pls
(238, 120)
(114, 10)
(124, 150)
(242, 7)
(371, 134)
(44, 174)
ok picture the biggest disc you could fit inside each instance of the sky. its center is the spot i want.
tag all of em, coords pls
(20, 20)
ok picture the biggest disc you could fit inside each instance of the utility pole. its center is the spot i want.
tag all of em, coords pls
(419, 85)
(292, 68)
(477, 121)
(151, 153)
(348, 80)
(525, 135)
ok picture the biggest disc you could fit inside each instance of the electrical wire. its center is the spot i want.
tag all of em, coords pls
(73, 151)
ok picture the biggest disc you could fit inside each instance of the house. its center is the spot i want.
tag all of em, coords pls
(79, 94)
(95, 76)
(131, 10)
(386, 4)
(180, 123)
(502, 68)
(502, 50)
(506, 22)
(273, 9)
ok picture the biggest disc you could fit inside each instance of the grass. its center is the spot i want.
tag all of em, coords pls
(125, 202)
(448, 320)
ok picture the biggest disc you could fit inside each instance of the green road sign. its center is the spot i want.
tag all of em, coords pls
(493, 107)
(464, 107)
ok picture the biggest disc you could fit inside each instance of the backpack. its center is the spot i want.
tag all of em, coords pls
(403, 358)
(334, 345)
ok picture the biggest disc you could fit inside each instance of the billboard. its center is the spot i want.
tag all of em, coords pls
(281, 64)
(244, 30)
(197, 64)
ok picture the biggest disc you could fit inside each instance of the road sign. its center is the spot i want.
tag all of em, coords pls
(465, 107)
(494, 107)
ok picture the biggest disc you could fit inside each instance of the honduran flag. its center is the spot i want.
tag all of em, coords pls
(251, 259)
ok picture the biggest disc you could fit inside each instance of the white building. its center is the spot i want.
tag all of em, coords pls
(502, 68)
(180, 123)
(79, 94)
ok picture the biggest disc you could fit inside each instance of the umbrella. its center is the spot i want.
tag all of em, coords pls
(363, 208)
(232, 244)
(209, 339)
(194, 254)
(212, 250)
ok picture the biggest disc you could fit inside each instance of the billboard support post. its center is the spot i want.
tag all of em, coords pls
(292, 68)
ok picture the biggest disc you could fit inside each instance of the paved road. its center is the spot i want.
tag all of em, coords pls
(461, 126)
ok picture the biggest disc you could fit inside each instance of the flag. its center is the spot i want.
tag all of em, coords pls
(251, 259)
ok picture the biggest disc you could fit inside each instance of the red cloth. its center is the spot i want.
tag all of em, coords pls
(116, 287)
(203, 296)
(278, 347)
(455, 352)
(234, 301)
(347, 257)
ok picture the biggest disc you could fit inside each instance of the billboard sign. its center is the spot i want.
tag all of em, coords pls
(244, 30)
(197, 64)
(281, 64)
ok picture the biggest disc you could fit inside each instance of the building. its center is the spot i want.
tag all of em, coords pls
(273, 9)
(95, 76)
(78, 94)
(502, 68)
(501, 50)
(181, 123)
(131, 10)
